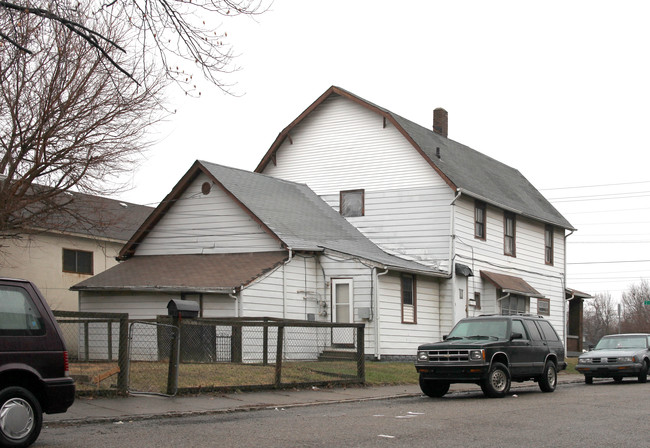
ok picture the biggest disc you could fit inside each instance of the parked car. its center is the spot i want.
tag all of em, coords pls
(617, 356)
(492, 351)
(33, 364)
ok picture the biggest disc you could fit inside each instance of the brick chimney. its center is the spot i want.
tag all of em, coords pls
(440, 121)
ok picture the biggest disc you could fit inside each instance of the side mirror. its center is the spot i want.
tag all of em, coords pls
(444, 337)
(516, 336)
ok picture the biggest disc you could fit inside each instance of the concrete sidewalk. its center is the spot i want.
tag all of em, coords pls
(141, 407)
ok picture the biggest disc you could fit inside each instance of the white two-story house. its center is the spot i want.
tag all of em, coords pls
(354, 214)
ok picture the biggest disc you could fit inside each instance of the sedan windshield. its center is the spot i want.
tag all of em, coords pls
(621, 342)
(483, 329)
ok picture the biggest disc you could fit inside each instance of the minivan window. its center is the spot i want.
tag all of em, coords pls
(18, 315)
(547, 330)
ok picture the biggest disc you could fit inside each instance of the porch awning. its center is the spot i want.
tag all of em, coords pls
(511, 284)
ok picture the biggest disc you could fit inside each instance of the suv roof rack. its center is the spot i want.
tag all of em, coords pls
(511, 315)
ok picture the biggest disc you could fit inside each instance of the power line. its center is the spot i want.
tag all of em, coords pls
(596, 186)
(610, 262)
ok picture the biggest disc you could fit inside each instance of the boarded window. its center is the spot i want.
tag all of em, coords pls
(77, 261)
(352, 203)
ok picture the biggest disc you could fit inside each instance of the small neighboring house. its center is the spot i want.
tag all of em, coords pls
(74, 247)
(354, 214)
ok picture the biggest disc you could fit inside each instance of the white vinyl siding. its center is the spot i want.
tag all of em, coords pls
(344, 146)
(206, 224)
(400, 339)
(529, 263)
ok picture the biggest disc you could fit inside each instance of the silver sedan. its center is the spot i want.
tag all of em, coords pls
(617, 356)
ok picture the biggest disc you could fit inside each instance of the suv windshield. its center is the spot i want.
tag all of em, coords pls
(480, 329)
(621, 343)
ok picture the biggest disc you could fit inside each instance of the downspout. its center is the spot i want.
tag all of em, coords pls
(564, 325)
(284, 283)
(375, 315)
(237, 303)
(452, 254)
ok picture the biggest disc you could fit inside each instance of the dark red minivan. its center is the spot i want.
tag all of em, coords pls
(33, 364)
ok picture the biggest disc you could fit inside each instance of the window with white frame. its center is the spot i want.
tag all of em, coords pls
(409, 313)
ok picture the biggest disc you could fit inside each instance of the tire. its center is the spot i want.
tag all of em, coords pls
(433, 388)
(618, 379)
(497, 383)
(643, 374)
(21, 417)
(589, 379)
(548, 381)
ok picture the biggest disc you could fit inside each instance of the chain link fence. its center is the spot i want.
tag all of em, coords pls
(166, 356)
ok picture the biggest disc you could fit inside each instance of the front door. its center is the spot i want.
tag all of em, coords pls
(342, 310)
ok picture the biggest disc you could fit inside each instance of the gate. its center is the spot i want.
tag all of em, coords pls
(153, 358)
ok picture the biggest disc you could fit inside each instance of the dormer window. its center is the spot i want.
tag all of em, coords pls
(352, 203)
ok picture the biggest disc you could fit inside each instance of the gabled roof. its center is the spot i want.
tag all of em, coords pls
(215, 273)
(464, 169)
(289, 212)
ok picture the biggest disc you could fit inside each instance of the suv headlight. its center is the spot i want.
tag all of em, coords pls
(584, 360)
(626, 359)
(477, 355)
(423, 356)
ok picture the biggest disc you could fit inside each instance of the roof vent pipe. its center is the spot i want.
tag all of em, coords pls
(440, 121)
(437, 152)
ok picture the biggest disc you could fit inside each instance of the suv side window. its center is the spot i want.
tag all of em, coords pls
(547, 330)
(19, 316)
(518, 327)
(534, 332)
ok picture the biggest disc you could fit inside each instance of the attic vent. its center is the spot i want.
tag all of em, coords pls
(205, 188)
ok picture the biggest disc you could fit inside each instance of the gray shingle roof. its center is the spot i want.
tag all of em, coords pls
(218, 273)
(466, 169)
(300, 218)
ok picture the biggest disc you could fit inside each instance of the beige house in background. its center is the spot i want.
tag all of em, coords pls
(77, 248)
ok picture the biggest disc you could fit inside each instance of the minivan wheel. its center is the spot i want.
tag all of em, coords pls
(433, 388)
(589, 379)
(21, 417)
(497, 383)
(548, 380)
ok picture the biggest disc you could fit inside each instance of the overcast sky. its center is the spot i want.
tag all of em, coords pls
(559, 90)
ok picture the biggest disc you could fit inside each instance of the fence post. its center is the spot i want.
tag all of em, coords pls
(86, 342)
(109, 324)
(174, 356)
(123, 356)
(361, 354)
(278, 356)
(265, 343)
(236, 346)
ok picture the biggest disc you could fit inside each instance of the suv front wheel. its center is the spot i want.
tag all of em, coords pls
(497, 383)
(21, 417)
(433, 388)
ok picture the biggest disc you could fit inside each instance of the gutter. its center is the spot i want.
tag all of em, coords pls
(376, 318)
(564, 317)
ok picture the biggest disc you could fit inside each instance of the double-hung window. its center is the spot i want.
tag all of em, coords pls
(409, 314)
(77, 261)
(479, 220)
(548, 244)
(509, 234)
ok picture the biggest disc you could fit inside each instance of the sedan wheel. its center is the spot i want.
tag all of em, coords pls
(643, 375)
